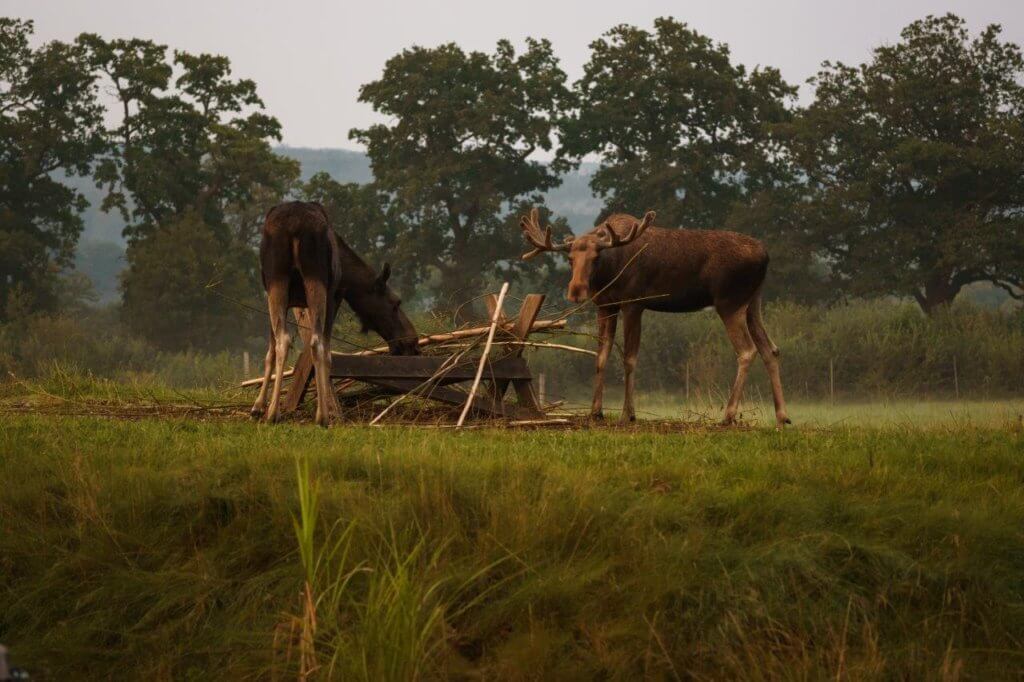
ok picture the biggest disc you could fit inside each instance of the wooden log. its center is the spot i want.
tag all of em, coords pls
(422, 367)
(539, 325)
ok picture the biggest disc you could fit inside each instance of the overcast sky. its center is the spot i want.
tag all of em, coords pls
(309, 58)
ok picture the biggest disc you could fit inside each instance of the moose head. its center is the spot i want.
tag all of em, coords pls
(380, 309)
(583, 251)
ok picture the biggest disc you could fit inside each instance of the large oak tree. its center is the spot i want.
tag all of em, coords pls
(678, 126)
(457, 154)
(50, 122)
(189, 159)
(915, 164)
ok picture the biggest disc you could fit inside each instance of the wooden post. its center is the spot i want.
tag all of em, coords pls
(956, 379)
(687, 382)
(541, 388)
(303, 370)
(245, 364)
(831, 383)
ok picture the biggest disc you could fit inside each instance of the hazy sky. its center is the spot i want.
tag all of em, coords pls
(309, 58)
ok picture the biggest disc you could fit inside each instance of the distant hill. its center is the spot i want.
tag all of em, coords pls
(101, 248)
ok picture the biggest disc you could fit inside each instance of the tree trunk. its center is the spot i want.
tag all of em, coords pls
(939, 292)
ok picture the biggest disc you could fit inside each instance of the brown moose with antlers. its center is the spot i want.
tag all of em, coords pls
(627, 266)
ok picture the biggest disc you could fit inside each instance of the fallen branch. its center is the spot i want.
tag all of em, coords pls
(533, 344)
(433, 339)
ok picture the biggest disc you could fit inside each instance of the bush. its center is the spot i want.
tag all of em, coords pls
(876, 348)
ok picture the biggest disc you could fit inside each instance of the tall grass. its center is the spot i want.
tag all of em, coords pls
(865, 349)
(874, 349)
(382, 617)
(165, 549)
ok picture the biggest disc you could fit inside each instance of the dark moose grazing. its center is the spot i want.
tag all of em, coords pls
(627, 266)
(306, 266)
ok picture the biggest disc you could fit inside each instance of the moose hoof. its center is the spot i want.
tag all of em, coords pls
(627, 419)
(597, 416)
(255, 413)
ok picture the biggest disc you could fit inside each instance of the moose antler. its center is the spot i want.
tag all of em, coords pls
(611, 239)
(541, 240)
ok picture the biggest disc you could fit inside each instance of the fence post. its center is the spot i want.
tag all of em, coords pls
(541, 381)
(831, 383)
(687, 382)
(956, 379)
(245, 364)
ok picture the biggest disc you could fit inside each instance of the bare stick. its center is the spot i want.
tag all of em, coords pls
(483, 358)
(273, 377)
(461, 334)
(532, 344)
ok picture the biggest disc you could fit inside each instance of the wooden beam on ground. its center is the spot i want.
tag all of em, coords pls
(422, 367)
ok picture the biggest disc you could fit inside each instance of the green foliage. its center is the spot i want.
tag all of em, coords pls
(877, 349)
(913, 161)
(457, 152)
(679, 127)
(185, 288)
(165, 547)
(49, 120)
(198, 144)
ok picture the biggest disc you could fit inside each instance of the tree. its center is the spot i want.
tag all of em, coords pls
(458, 154)
(49, 120)
(679, 128)
(913, 161)
(190, 155)
(200, 144)
(183, 284)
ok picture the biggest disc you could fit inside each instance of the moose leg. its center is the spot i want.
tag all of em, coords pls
(606, 319)
(316, 303)
(277, 300)
(630, 349)
(769, 353)
(304, 323)
(260, 406)
(334, 409)
(736, 327)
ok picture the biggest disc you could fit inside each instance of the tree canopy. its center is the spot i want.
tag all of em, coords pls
(914, 163)
(50, 120)
(678, 126)
(190, 152)
(458, 153)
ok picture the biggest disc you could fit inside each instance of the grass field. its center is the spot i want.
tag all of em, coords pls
(869, 542)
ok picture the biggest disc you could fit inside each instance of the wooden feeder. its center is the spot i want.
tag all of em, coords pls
(433, 377)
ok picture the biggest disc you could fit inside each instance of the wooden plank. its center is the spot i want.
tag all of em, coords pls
(422, 367)
(441, 393)
(303, 372)
(299, 383)
(527, 316)
(528, 402)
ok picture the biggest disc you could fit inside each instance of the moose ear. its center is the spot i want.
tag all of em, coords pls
(382, 278)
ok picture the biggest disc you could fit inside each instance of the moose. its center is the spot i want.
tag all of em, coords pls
(307, 267)
(626, 266)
